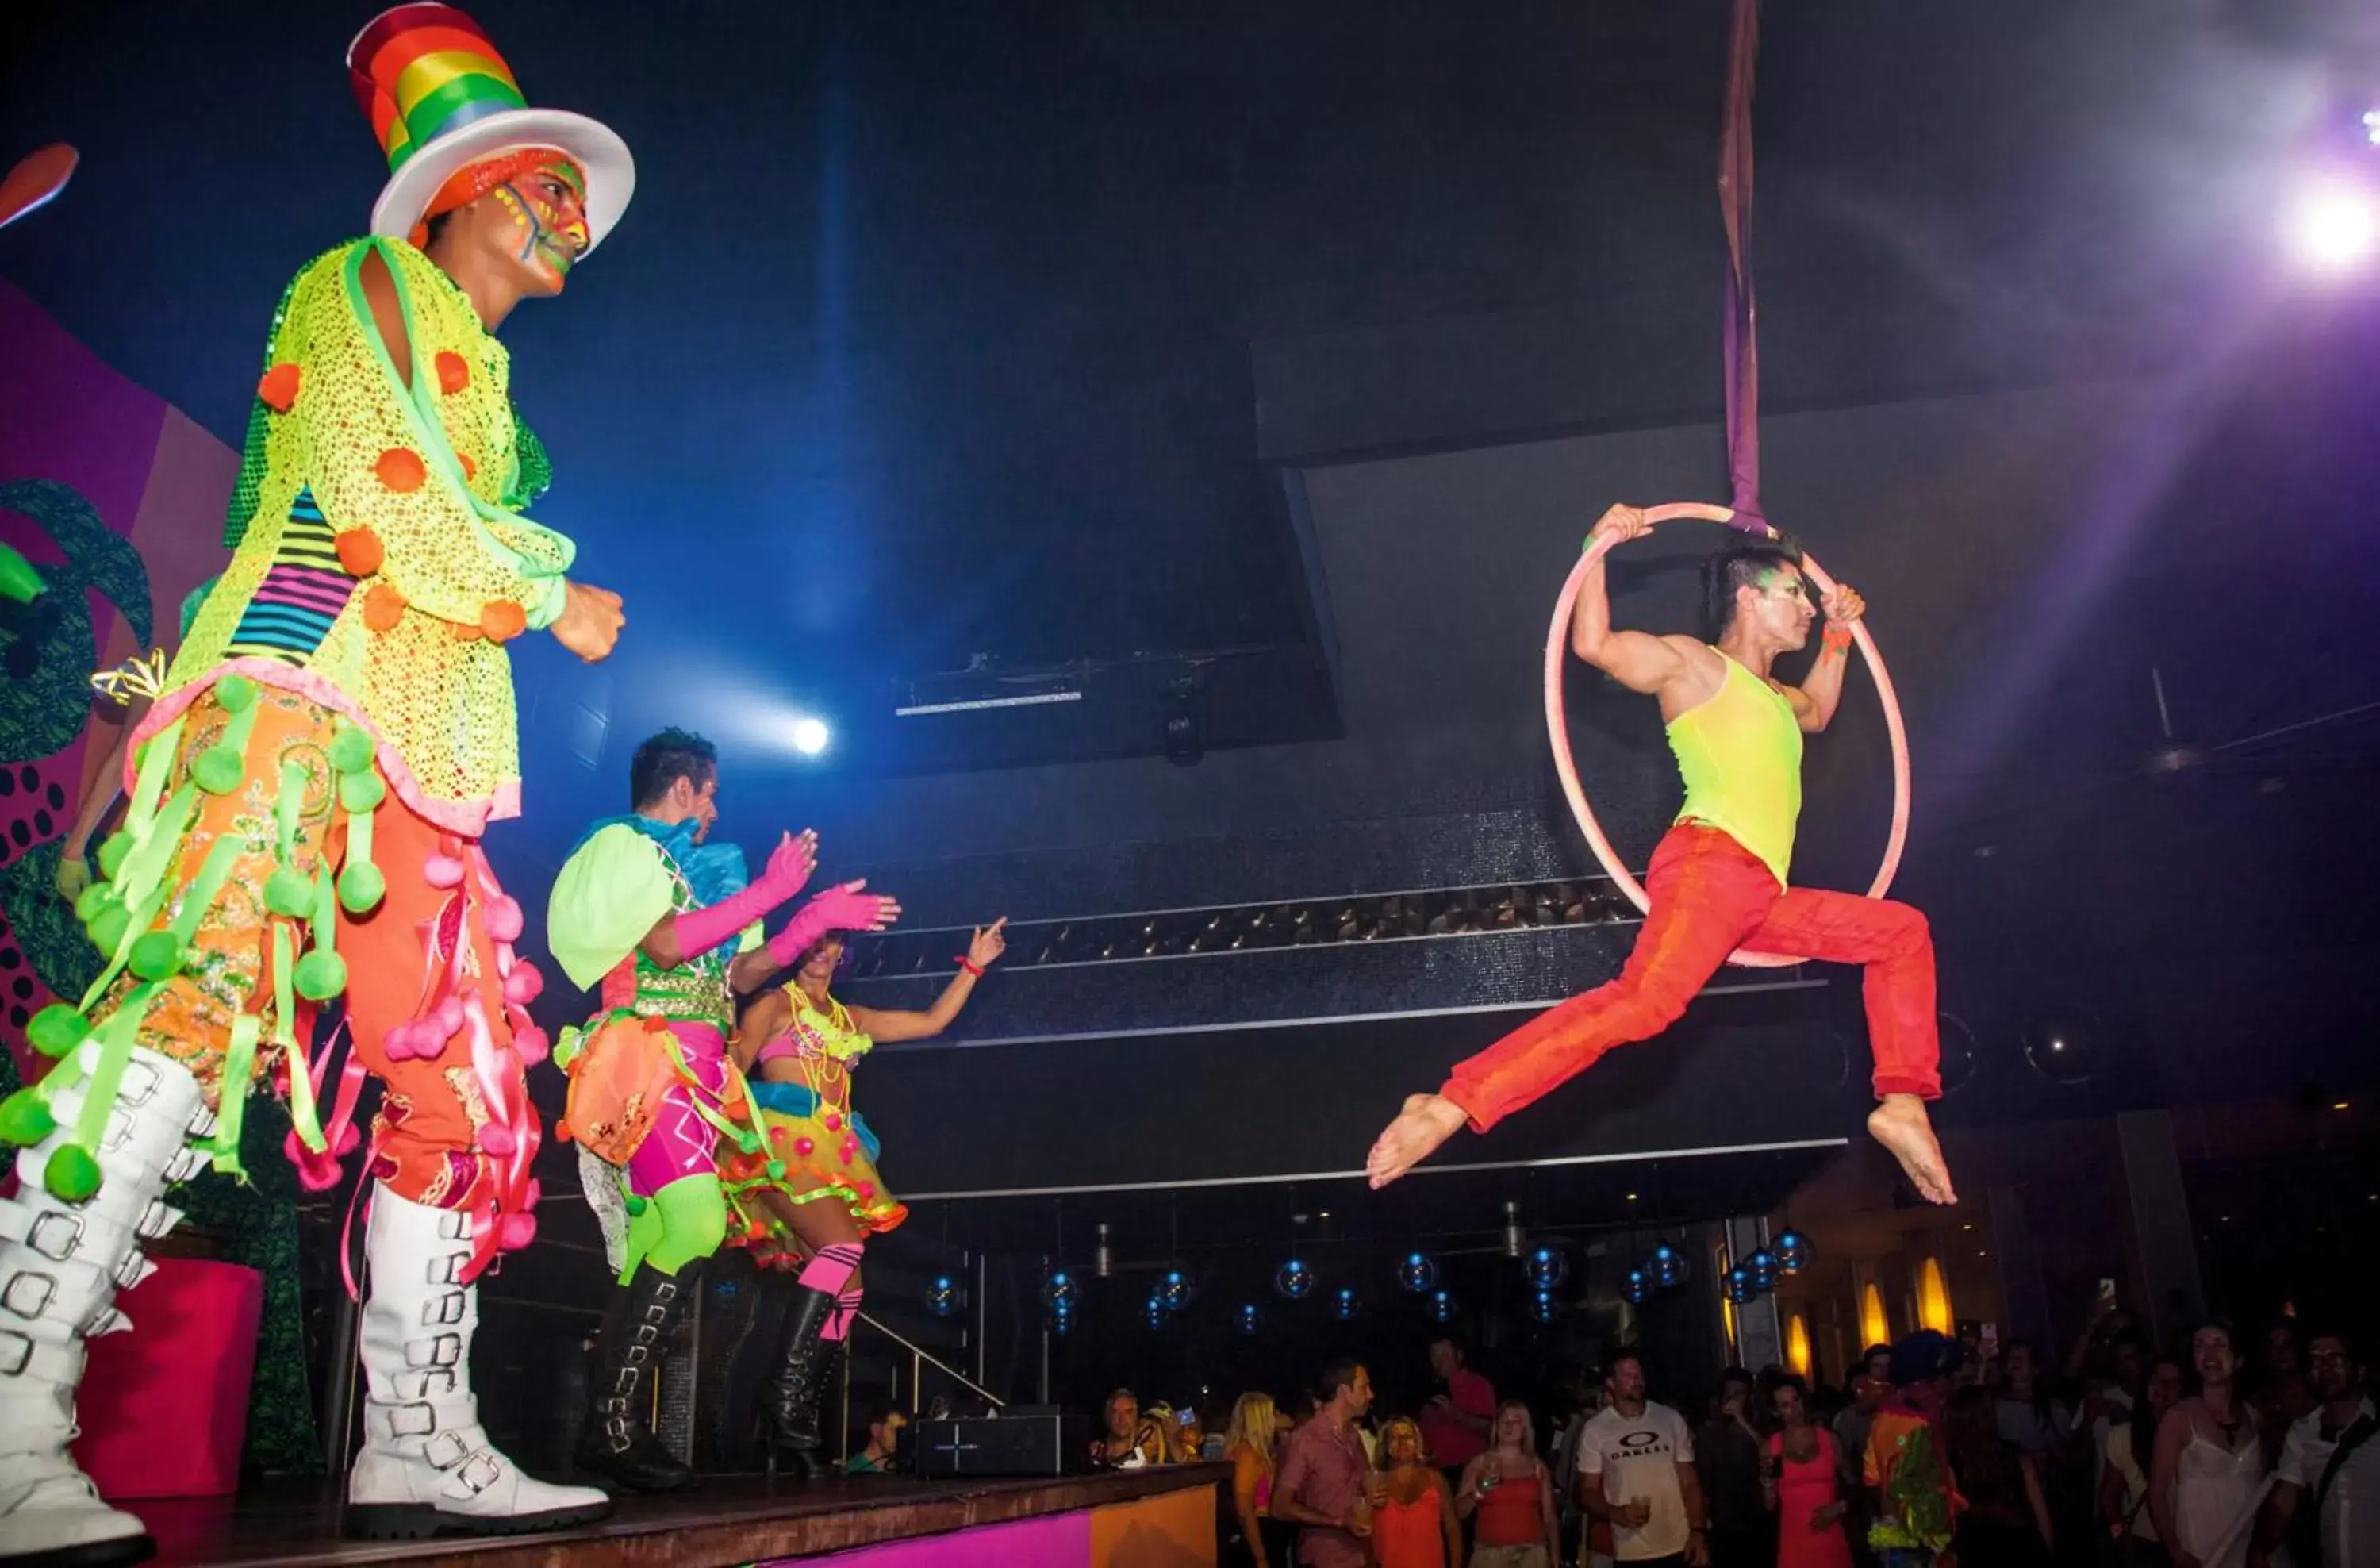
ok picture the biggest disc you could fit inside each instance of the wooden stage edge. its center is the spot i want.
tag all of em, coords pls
(732, 1521)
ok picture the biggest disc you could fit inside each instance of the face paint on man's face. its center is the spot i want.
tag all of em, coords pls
(549, 220)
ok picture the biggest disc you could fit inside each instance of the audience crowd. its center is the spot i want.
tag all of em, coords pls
(2224, 1454)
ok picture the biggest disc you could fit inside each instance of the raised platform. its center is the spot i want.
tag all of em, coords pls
(1140, 1519)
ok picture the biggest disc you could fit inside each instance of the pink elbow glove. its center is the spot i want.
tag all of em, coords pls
(845, 908)
(699, 930)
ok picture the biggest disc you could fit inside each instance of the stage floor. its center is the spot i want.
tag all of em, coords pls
(732, 1520)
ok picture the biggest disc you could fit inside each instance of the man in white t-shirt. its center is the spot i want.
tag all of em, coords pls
(1636, 1473)
(2346, 1418)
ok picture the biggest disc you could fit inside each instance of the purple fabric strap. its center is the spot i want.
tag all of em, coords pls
(1740, 338)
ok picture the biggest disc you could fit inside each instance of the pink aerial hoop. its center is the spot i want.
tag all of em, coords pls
(1557, 723)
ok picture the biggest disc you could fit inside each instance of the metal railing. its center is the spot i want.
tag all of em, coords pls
(919, 1358)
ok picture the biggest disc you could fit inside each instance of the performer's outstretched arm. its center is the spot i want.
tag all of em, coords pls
(674, 937)
(889, 1027)
(1639, 661)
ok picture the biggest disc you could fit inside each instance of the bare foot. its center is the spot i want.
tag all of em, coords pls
(1427, 1121)
(1901, 1124)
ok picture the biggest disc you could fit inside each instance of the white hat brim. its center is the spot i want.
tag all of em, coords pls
(601, 154)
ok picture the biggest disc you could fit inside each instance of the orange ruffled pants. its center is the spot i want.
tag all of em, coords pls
(455, 1128)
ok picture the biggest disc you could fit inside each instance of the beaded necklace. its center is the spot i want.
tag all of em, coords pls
(827, 1042)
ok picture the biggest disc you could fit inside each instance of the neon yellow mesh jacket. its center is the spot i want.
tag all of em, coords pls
(377, 566)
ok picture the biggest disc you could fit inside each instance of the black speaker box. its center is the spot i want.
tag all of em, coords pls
(1039, 1445)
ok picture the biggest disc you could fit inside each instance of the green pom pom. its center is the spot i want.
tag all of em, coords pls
(351, 750)
(320, 976)
(91, 899)
(361, 887)
(289, 891)
(234, 693)
(776, 1169)
(218, 770)
(111, 852)
(25, 1119)
(636, 1205)
(108, 927)
(156, 955)
(72, 1176)
(56, 1029)
(361, 792)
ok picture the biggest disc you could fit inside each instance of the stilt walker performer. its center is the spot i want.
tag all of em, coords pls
(306, 798)
(666, 927)
(1718, 881)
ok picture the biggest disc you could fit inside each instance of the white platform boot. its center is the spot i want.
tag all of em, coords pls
(61, 1264)
(426, 1466)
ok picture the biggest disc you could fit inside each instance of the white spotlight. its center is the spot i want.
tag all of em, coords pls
(809, 735)
(2336, 226)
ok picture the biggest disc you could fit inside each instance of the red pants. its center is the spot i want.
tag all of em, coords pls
(1710, 896)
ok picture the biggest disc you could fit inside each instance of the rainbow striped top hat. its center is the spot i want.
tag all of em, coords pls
(440, 99)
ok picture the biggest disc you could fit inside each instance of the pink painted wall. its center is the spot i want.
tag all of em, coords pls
(1059, 1541)
(154, 478)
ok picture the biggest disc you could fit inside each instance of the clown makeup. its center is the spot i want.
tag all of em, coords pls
(549, 213)
(1784, 584)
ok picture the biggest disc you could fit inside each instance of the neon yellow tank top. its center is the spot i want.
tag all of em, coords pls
(1740, 752)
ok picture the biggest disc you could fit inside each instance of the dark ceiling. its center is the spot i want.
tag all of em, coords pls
(929, 333)
(954, 331)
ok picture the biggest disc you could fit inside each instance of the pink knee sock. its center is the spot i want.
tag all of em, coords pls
(831, 1272)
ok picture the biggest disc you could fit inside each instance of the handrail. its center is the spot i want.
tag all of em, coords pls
(918, 1353)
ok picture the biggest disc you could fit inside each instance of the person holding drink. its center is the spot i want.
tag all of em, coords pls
(1636, 1473)
(1512, 1492)
(1411, 1509)
(1801, 1478)
(1324, 1484)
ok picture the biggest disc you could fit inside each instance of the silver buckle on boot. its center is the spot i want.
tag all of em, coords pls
(411, 1421)
(481, 1472)
(445, 1452)
(446, 1350)
(140, 1082)
(16, 1353)
(446, 1307)
(44, 1236)
(434, 1383)
(28, 1294)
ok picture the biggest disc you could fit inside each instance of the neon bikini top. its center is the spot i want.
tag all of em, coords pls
(814, 1033)
(1740, 752)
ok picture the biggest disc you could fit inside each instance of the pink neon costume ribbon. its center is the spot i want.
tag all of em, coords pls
(1558, 723)
(842, 908)
(699, 930)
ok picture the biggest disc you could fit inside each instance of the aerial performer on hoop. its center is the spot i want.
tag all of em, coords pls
(1717, 889)
(1718, 882)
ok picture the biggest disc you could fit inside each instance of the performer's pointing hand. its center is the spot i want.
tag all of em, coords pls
(989, 944)
(590, 623)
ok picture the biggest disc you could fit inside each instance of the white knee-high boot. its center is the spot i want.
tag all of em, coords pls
(426, 1466)
(61, 1265)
